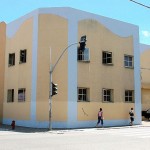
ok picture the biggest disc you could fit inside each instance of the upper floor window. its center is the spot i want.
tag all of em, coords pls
(82, 94)
(128, 61)
(84, 55)
(21, 95)
(107, 95)
(11, 59)
(10, 95)
(23, 55)
(129, 96)
(107, 57)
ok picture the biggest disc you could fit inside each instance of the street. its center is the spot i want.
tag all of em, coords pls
(114, 138)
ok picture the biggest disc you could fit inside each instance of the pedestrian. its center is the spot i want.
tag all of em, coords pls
(100, 117)
(13, 125)
(131, 113)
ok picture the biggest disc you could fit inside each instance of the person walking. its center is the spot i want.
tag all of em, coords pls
(100, 117)
(131, 113)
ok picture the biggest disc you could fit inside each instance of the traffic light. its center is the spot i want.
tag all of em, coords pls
(82, 43)
(54, 89)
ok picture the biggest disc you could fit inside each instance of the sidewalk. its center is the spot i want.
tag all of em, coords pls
(21, 129)
(33, 130)
(145, 123)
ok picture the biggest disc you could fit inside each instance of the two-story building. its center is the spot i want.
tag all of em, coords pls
(2, 62)
(104, 75)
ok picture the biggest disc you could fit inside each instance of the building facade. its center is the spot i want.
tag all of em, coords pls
(106, 74)
(145, 76)
(2, 61)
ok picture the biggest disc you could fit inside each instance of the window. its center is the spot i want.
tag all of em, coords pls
(11, 61)
(107, 57)
(128, 61)
(129, 95)
(82, 94)
(107, 95)
(83, 55)
(21, 95)
(23, 56)
(10, 95)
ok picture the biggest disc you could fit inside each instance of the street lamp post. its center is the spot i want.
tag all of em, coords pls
(52, 68)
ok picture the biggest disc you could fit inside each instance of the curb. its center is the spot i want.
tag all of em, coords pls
(34, 130)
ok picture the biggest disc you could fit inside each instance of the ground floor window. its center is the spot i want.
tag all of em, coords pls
(129, 95)
(83, 94)
(107, 95)
(10, 95)
(21, 94)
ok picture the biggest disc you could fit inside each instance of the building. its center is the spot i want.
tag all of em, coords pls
(106, 74)
(2, 61)
(145, 76)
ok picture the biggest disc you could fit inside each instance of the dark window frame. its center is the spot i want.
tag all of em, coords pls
(128, 61)
(23, 56)
(107, 95)
(83, 94)
(129, 96)
(21, 95)
(10, 95)
(11, 59)
(83, 55)
(107, 57)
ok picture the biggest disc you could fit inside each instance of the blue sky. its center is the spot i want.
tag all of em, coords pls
(123, 10)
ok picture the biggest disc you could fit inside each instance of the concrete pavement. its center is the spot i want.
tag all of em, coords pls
(32, 130)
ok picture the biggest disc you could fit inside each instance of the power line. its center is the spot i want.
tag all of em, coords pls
(140, 4)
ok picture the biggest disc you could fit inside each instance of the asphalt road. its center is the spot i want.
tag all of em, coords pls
(119, 138)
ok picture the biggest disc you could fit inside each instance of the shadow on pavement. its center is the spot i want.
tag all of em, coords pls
(21, 129)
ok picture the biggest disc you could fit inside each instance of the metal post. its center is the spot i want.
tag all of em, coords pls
(50, 94)
(50, 102)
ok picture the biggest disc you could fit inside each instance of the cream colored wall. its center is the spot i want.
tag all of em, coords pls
(2, 61)
(145, 79)
(50, 28)
(145, 99)
(145, 69)
(111, 111)
(19, 76)
(96, 76)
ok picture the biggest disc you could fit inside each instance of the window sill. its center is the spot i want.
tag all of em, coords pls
(108, 64)
(10, 65)
(129, 102)
(21, 62)
(107, 102)
(83, 101)
(21, 101)
(129, 67)
(84, 61)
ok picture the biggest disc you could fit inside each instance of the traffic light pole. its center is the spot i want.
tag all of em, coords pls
(50, 93)
(82, 46)
(50, 102)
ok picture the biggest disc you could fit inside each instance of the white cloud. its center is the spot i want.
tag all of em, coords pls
(146, 33)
